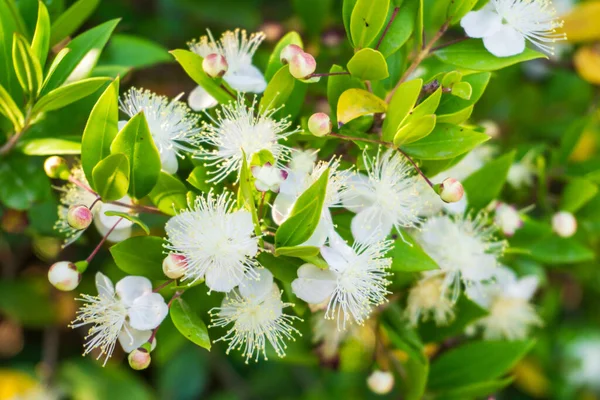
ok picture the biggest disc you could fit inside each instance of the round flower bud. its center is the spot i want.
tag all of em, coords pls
(380, 382)
(79, 216)
(174, 266)
(302, 65)
(139, 359)
(319, 124)
(289, 52)
(215, 65)
(56, 168)
(64, 276)
(564, 224)
(451, 190)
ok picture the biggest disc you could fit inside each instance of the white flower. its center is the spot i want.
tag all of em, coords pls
(256, 311)
(583, 360)
(171, 123)
(354, 283)
(128, 312)
(297, 182)
(507, 299)
(238, 50)
(217, 242)
(238, 130)
(463, 247)
(429, 299)
(507, 218)
(303, 161)
(268, 177)
(505, 25)
(388, 197)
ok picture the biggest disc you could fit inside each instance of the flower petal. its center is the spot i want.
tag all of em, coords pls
(314, 285)
(370, 226)
(132, 287)
(257, 289)
(199, 99)
(247, 79)
(104, 285)
(131, 339)
(147, 311)
(505, 42)
(481, 23)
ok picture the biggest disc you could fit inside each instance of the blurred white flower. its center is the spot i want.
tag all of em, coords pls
(268, 177)
(217, 242)
(386, 198)
(583, 362)
(237, 130)
(505, 26)
(127, 312)
(354, 283)
(506, 298)
(429, 299)
(238, 50)
(172, 124)
(256, 311)
(507, 218)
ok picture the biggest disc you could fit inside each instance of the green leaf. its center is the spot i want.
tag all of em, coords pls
(67, 94)
(111, 177)
(23, 182)
(476, 362)
(169, 194)
(41, 38)
(278, 90)
(466, 312)
(366, 21)
(189, 324)
(140, 255)
(408, 256)
(136, 142)
(246, 194)
(446, 141)
(298, 251)
(305, 215)
(27, 66)
(471, 54)
(192, 64)
(458, 9)
(134, 52)
(577, 193)
(354, 103)
(485, 185)
(338, 84)
(400, 30)
(402, 102)
(100, 130)
(130, 217)
(274, 63)
(10, 110)
(415, 130)
(71, 20)
(475, 390)
(368, 65)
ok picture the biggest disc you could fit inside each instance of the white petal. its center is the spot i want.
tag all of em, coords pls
(481, 23)
(130, 338)
(148, 311)
(104, 285)
(257, 289)
(370, 226)
(132, 287)
(314, 285)
(505, 42)
(247, 79)
(222, 279)
(168, 160)
(199, 99)
(359, 194)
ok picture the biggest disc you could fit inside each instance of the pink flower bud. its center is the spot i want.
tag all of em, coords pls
(174, 266)
(79, 216)
(215, 65)
(319, 124)
(56, 168)
(451, 190)
(302, 65)
(64, 276)
(380, 382)
(289, 52)
(139, 359)
(564, 224)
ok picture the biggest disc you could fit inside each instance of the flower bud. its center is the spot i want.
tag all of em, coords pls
(215, 65)
(508, 219)
(79, 216)
(174, 266)
(56, 168)
(139, 359)
(451, 190)
(302, 65)
(319, 124)
(564, 224)
(380, 382)
(289, 52)
(64, 276)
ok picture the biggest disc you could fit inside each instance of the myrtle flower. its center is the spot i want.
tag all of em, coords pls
(505, 25)
(172, 124)
(238, 50)
(297, 182)
(463, 247)
(237, 130)
(354, 283)
(507, 300)
(387, 197)
(256, 311)
(583, 362)
(127, 312)
(72, 194)
(428, 299)
(217, 242)
(268, 177)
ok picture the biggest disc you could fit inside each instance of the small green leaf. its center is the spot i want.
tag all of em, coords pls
(140, 255)
(111, 177)
(41, 38)
(27, 66)
(67, 94)
(70, 20)
(189, 324)
(130, 217)
(368, 65)
(462, 90)
(10, 110)
(278, 90)
(354, 103)
(577, 193)
(274, 63)
(445, 141)
(298, 251)
(367, 19)
(169, 194)
(415, 130)
(402, 102)
(408, 256)
(485, 185)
